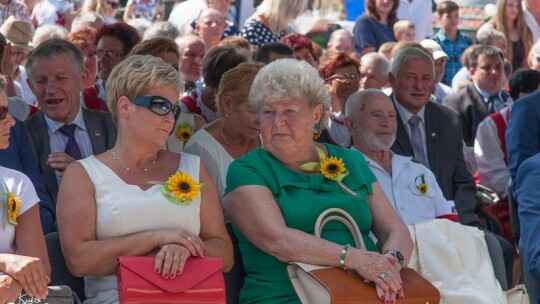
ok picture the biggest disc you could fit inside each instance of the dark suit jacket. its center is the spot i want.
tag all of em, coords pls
(19, 156)
(471, 108)
(445, 156)
(100, 128)
(523, 132)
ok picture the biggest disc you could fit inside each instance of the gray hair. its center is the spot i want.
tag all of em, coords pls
(487, 36)
(48, 31)
(288, 79)
(86, 17)
(161, 29)
(140, 24)
(409, 53)
(187, 39)
(377, 60)
(138, 73)
(54, 49)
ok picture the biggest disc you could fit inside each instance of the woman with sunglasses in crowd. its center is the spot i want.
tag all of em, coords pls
(24, 263)
(138, 199)
(341, 74)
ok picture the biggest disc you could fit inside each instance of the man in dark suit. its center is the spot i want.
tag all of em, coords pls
(484, 96)
(63, 131)
(19, 156)
(431, 133)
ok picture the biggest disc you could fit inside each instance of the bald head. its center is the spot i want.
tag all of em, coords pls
(210, 26)
(374, 70)
(340, 41)
(370, 117)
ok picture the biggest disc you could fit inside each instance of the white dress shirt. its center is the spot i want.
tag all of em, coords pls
(420, 14)
(492, 169)
(531, 22)
(401, 189)
(58, 141)
(405, 116)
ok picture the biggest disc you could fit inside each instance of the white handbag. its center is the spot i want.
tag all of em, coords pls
(517, 295)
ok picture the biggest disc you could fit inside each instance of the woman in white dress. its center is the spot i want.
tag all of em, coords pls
(108, 205)
(24, 264)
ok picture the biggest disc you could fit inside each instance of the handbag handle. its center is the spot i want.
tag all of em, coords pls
(343, 217)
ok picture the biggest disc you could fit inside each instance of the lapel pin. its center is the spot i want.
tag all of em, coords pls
(97, 132)
(433, 134)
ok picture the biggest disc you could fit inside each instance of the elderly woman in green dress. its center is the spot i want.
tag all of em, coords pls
(274, 201)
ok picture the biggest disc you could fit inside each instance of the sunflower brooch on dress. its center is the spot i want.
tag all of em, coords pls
(181, 188)
(184, 132)
(421, 185)
(331, 168)
(12, 205)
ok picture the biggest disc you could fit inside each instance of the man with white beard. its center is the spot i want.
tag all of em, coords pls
(411, 187)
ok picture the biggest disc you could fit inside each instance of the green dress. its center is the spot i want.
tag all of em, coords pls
(301, 198)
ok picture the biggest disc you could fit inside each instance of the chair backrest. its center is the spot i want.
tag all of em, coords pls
(497, 259)
(532, 283)
(514, 216)
(60, 275)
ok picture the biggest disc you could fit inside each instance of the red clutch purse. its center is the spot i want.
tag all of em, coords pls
(201, 281)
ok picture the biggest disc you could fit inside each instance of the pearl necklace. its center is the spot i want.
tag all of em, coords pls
(115, 158)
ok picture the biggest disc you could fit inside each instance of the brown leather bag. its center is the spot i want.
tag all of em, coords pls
(324, 285)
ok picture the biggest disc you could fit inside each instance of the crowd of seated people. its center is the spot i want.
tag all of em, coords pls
(93, 103)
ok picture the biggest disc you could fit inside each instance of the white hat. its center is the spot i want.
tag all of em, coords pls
(18, 32)
(435, 48)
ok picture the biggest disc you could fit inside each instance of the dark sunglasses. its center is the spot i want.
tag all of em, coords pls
(3, 112)
(158, 105)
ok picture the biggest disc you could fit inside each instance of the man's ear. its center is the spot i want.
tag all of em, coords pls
(350, 125)
(391, 79)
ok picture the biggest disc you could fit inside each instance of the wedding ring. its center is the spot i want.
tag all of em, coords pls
(189, 238)
(383, 276)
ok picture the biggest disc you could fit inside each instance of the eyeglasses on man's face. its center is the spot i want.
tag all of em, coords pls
(158, 105)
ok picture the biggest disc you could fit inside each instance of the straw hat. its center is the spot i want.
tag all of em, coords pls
(17, 32)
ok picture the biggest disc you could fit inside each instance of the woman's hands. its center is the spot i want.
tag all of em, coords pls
(383, 270)
(10, 289)
(29, 273)
(175, 249)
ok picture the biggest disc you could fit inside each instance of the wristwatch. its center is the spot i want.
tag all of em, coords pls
(396, 254)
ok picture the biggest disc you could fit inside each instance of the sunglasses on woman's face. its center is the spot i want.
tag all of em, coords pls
(158, 105)
(3, 112)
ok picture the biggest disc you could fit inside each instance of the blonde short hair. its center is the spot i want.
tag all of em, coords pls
(135, 75)
(289, 79)
(235, 82)
(403, 25)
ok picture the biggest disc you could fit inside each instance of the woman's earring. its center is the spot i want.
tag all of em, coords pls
(316, 131)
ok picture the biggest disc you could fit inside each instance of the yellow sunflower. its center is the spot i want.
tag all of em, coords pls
(184, 132)
(422, 188)
(183, 187)
(332, 167)
(13, 204)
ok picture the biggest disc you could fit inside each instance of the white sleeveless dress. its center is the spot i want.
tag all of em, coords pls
(124, 209)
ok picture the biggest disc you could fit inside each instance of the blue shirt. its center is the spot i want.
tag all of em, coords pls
(19, 156)
(453, 49)
(369, 32)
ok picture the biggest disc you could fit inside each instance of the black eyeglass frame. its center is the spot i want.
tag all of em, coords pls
(158, 105)
(4, 110)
